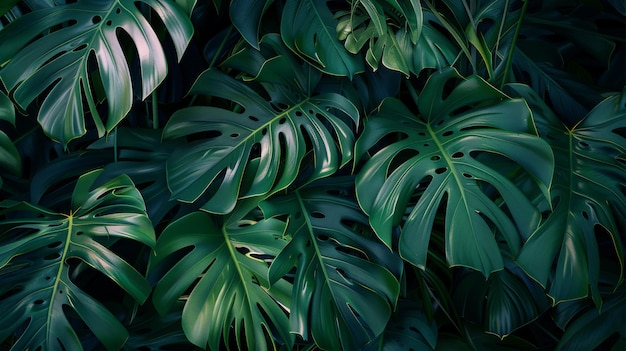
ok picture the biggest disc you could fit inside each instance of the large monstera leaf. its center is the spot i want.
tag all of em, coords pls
(258, 149)
(345, 284)
(61, 63)
(225, 271)
(308, 28)
(39, 250)
(10, 160)
(443, 156)
(588, 196)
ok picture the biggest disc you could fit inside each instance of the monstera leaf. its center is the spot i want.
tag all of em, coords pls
(410, 49)
(259, 149)
(39, 249)
(308, 29)
(344, 288)
(80, 59)
(408, 329)
(225, 271)
(588, 197)
(508, 300)
(436, 160)
(10, 160)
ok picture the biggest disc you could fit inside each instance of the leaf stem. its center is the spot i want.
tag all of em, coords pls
(509, 58)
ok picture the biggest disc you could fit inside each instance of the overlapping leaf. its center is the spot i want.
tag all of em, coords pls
(436, 161)
(344, 286)
(225, 271)
(309, 29)
(10, 160)
(58, 66)
(38, 251)
(409, 49)
(588, 196)
(508, 300)
(259, 148)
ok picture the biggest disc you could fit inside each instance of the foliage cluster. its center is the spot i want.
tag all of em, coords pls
(312, 174)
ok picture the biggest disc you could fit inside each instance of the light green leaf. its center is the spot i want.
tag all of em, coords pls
(36, 252)
(273, 136)
(344, 288)
(435, 158)
(588, 195)
(226, 271)
(309, 29)
(77, 37)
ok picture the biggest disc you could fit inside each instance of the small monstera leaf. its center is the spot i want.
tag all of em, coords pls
(588, 196)
(344, 288)
(76, 38)
(225, 271)
(508, 300)
(308, 29)
(39, 250)
(259, 149)
(436, 160)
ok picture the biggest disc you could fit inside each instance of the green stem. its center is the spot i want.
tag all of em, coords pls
(509, 58)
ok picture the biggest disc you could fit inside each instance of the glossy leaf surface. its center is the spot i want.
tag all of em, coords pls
(39, 252)
(225, 272)
(266, 144)
(344, 289)
(308, 28)
(588, 197)
(81, 54)
(435, 159)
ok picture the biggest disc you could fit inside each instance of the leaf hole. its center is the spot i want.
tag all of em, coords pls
(204, 135)
(264, 131)
(317, 214)
(109, 22)
(585, 214)
(234, 135)
(299, 113)
(441, 170)
(435, 158)
(458, 154)
(421, 133)
(243, 250)
(323, 237)
(583, 144)
(79, 233)
(253, 118)
(426, 144)
(282, 120)
(448, 133)
(310, 111)
(96, 19)
(308, 243)
(467, 175)
(80, 48)
(118, 10)
(38, 302)
(52, 256)
(55, 244)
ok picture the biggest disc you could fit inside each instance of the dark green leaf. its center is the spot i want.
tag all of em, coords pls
(36, 252)
(588, 196)
(225, 271)
(59, 62)
(435, 159)
(309, 29)
(246, 16)
(273, 139)
(344, 291)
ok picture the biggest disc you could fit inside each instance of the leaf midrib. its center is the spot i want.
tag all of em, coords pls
(68, 238)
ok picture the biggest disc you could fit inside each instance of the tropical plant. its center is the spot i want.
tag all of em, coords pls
(312, 174)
